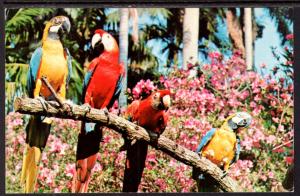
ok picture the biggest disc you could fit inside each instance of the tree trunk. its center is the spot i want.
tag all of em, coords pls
(190, 36)
(134, 16)
(248, 37)
(235, 30)
(123, 44)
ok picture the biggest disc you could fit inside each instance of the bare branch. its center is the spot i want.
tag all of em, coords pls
(131, 131)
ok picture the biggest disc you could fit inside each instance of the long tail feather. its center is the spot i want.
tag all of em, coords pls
(205, 183)
(37, 133)
(24, 165)
(30, 168)
(135, 163)
(86, 156)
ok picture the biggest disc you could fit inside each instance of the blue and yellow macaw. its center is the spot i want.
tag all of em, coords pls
(221, 146)
(54, 62)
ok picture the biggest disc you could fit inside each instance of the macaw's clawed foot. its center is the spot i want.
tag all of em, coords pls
(43, 102)
(224, 174)
(87, 108)
(106, 112)
(199, 154)
(153, 136)
(45, 107)
(70, 105)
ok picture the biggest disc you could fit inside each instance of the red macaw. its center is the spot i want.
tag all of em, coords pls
(149, 113)
(54, 62)
(102, 86)
(221, 146)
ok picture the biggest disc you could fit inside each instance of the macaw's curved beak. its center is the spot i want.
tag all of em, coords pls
(66, 25)
(60, 24)
(96, 39)
(242, 119)
(166, 101)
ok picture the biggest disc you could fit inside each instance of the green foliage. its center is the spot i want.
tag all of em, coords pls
(15, 82)
(21, 23)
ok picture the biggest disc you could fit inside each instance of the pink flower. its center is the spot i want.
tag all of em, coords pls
(280, 128)
(289, 160)
(151, 158)
(70, 170)
(263, 178)
(289, 36)
(17, 122)
(270, 139)
(143, 87)
(252, 104)
(275, 119)
(214, 55)
(97, 167)
(289, 63)
(271, 174)
(161, 183)
(247, 143)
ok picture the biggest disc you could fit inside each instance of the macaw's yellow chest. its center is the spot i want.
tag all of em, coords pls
(221, 149)
(54, 66)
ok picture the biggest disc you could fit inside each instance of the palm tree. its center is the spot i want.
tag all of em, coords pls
(123, 44)
(243, 30)
(141, 62)
(248, 38)
(235, 31)
(190, 36)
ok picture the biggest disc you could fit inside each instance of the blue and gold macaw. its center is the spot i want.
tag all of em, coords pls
(221, 146)
(54, 62)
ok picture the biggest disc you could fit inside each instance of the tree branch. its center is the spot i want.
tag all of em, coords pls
(131, 131)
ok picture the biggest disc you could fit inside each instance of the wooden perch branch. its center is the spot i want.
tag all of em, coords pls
(131, 131)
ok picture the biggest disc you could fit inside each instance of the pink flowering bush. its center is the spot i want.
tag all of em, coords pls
(201, 101)
(142, 89)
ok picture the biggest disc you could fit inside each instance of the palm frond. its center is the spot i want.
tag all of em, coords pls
(25, 19)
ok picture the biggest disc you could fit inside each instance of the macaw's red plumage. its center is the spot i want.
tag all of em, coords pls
(102, 86)
(149, 113)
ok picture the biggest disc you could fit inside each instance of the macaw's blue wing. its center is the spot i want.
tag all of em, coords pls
(86, 81)
(206, 139)
(117, 91)
(237, 151)
(34, 65)
(69, 62)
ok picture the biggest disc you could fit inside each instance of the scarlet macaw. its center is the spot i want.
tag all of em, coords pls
(149, 113)
(221, 146)
(102, 86)
(54, 62)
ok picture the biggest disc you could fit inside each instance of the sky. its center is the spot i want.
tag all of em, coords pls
(263, 52)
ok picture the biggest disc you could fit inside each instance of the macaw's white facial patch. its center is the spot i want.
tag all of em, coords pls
(167, 101)
(236, 119)
(96, 38)
(54, 29)
(108, 42)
